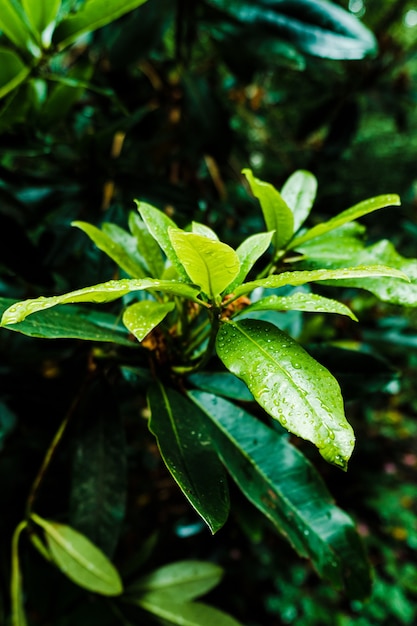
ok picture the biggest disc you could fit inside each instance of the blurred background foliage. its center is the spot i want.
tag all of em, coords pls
(167, 104)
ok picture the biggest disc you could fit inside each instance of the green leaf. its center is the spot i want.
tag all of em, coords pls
(249, 251)
(42, 14)
(118, 244)
(158, 225)
(287, 489)
(187, 452)
(184, 613)
(277, 214)
(182, 581)
(202, 229)
(299, 192)
(359, 210)
(210, 264)
(63, 96)
(302, 277)
(79, 559)
(93, 14)
(301, 302)
(13, 23)
(12, 71)
(147, 246)
(105, 292)
(142, 317)
(18, 615)
(289, 384)
(222, 384)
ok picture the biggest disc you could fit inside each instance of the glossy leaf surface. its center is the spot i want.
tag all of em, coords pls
(187, 452)
(289, 384)
(142, 317)
(105, 292)
(13, 24)
(12, 71)
(93, 14)
(41, 13)
(79, 559)
(210, 264)
(301, 302)
(283, 484)
(299, 192)
(249, 251)
(183, 581)
(277, 214)
(148, 248)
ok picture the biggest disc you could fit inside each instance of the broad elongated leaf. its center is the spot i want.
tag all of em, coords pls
(283, 484)
(299, 192)
(14, 25)
(289, 384)
(105, 292)
(71, 322)
(147, 246)
(79, 559)
(158, 225)
(184, 613)
(183, 581)
(92, 15)
(187, 452)
(301, 302)
(202, 229)
(277, 214)
(249, 251)
(41, 14)
(359, 210)
(210, 264)
(142, 317)
(222, 384)
(309, 276)
(118, 244)
(12, 71)
(316, 27)
(99, 468)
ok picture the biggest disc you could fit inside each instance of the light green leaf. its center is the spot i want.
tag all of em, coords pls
(299, 192)
(308, 276)
(79, 559)
(105, 292)
(118, 244)
(359, 210)
(186, 450)
(182, 581)
(13, 23)
(289, 384)
(147, 246)
(12, 71)
(280, 481)
(202, 229)
(142, 317)
(18, 616)
(42, 14)
(186, 613)
(92, 15)
(301, 302)
(277, 214)
(249, 251)
(158, 225)
(212, 265)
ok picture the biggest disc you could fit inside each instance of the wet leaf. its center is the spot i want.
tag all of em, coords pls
(289, 384)
(142, 317)
(187, 452)
(301, 302)
(222, 384)
(285, 487)
(299, 192)
(249, 251)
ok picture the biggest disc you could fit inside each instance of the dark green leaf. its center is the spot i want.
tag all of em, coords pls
(284, 485)
(222, 384)
(187, 452)
(289, 384)
(12, 71)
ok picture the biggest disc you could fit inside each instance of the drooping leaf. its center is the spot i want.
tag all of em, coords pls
(302, 277)
(210, 264)
(277, 214)
(98, 470)
(187, 452)
(93, 14)
(184, 613)
(301, 302)
(289, 384)
(359, 210)
(222, 384)
(12, 71)
(105, 292)
(79, 559)
(42, 14)
(182, 581)
(142, 317)
(299, 192)
(158, 225)
(18, 615)
(118, 244)
(249, 251)
(13, 23)
(147, 246)
(283, 484)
